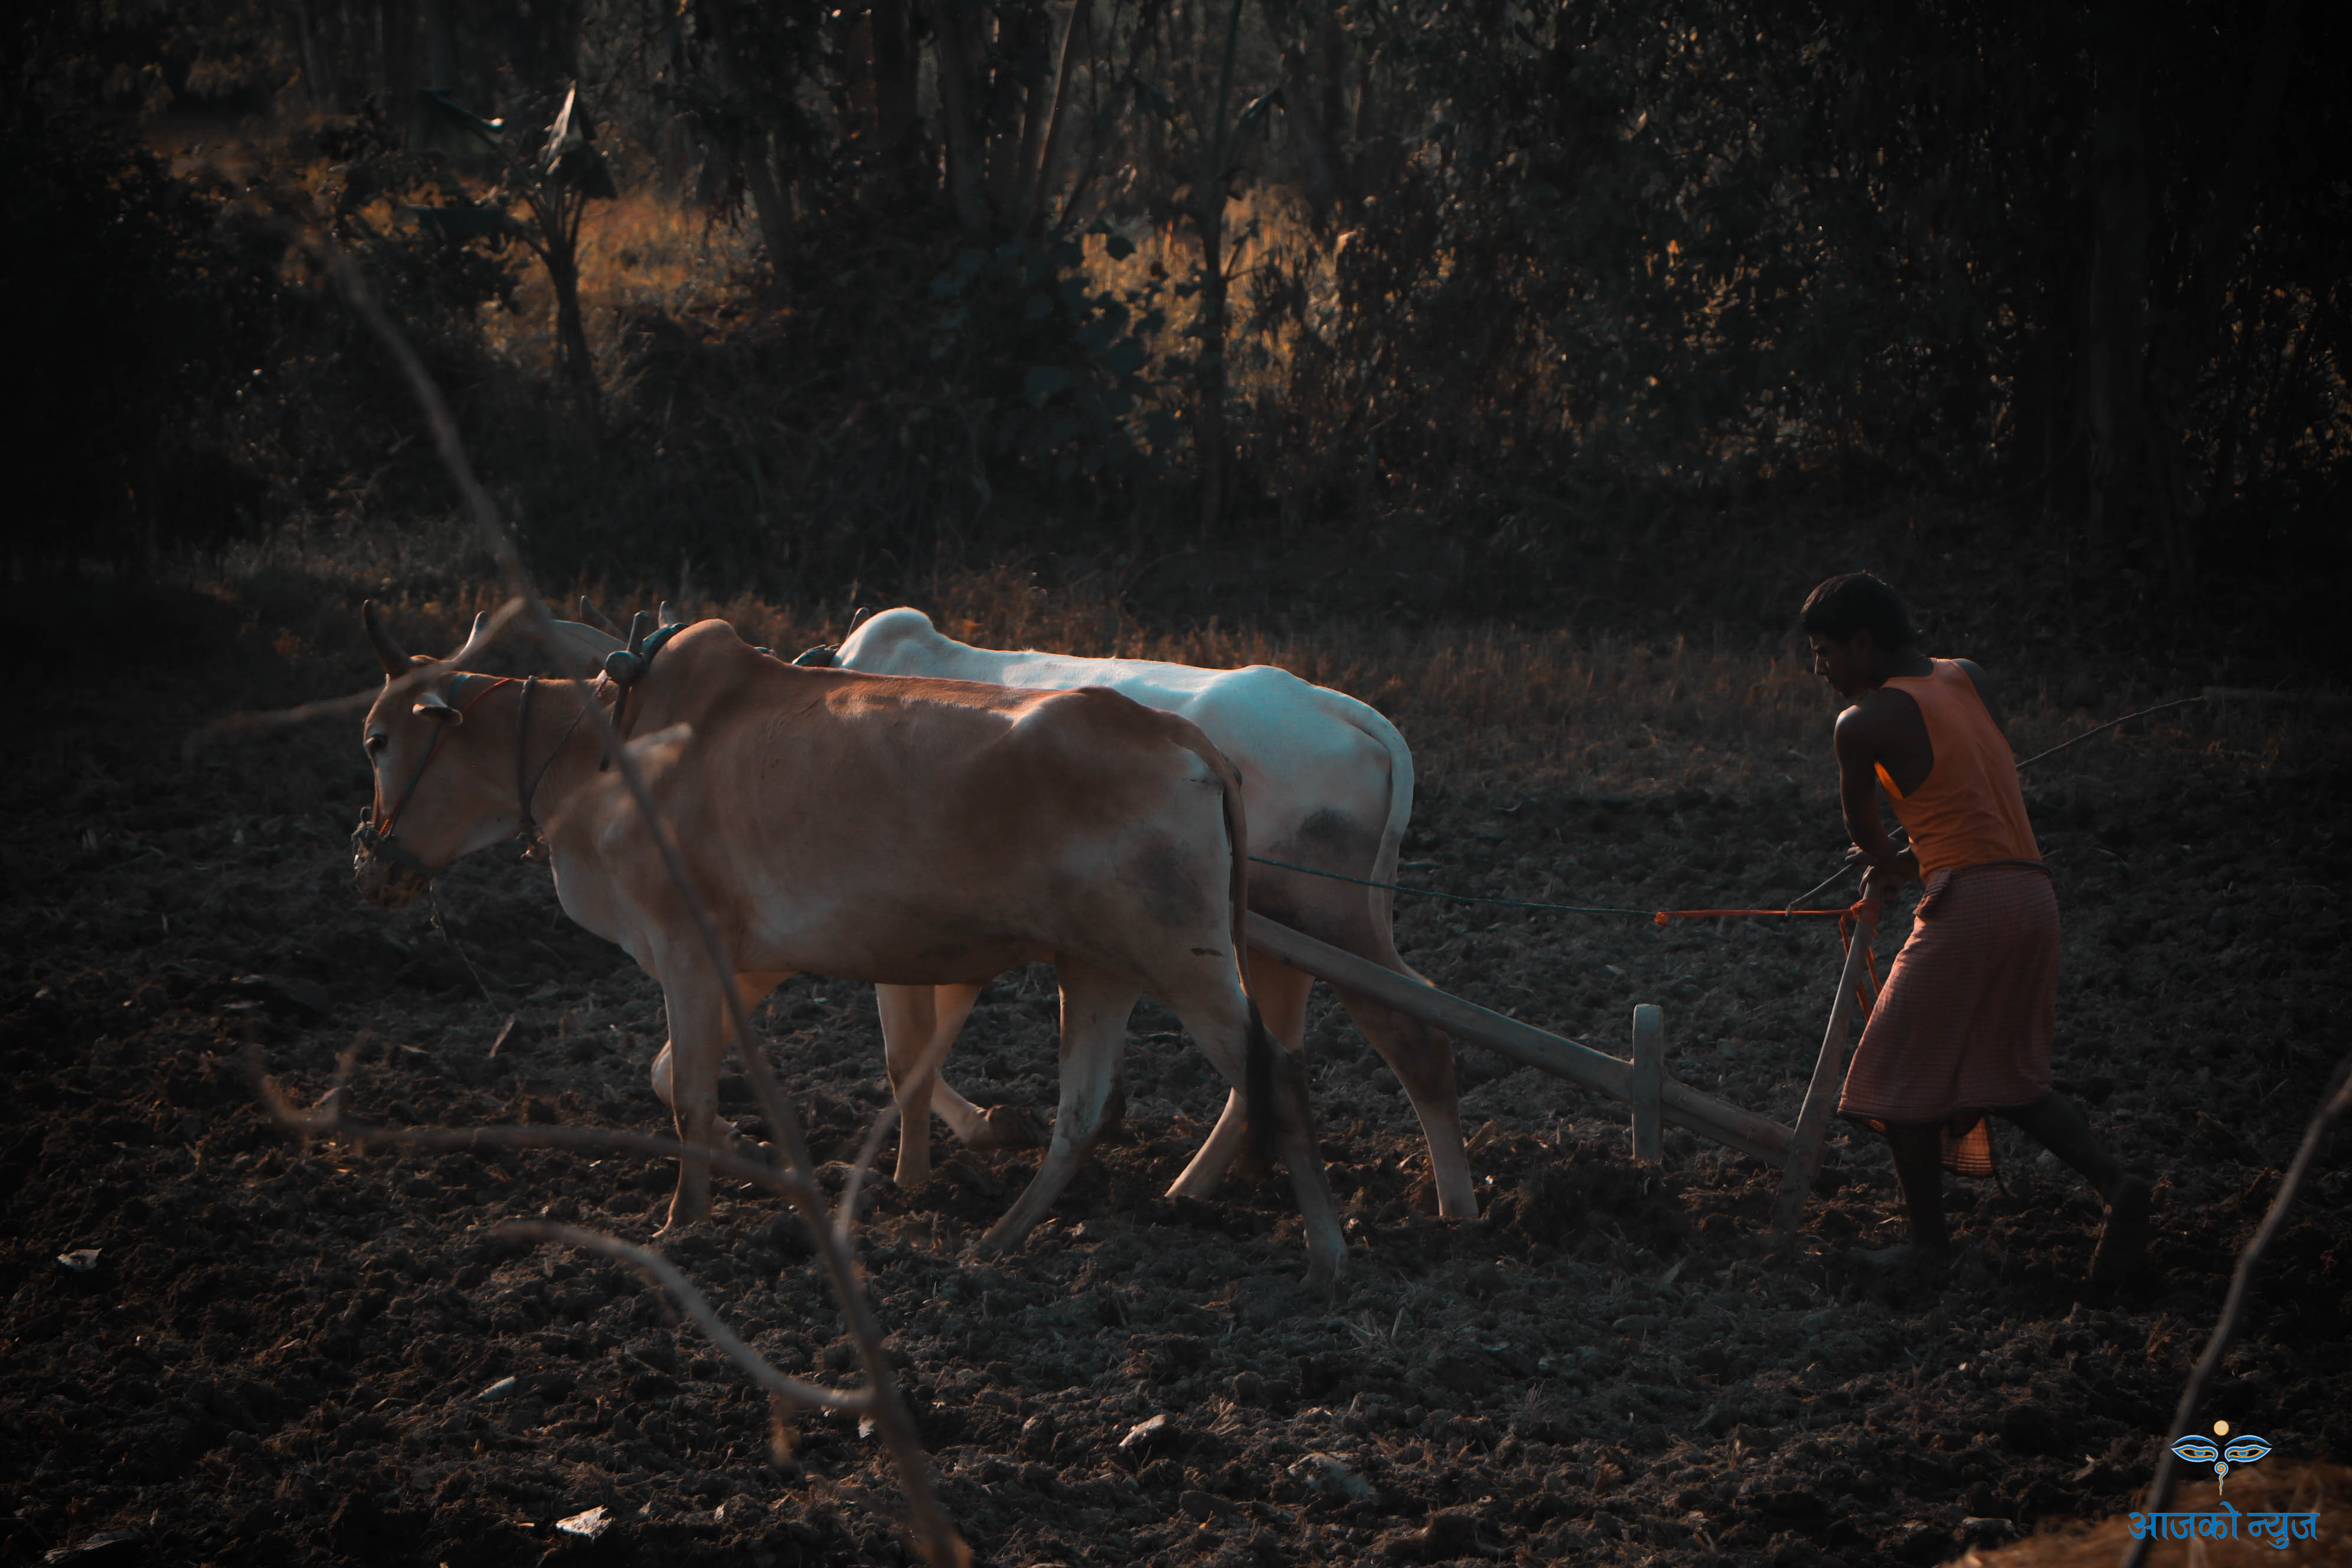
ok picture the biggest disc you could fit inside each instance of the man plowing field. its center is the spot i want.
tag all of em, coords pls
(1963, 1027)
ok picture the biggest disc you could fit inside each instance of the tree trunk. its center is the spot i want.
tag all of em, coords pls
(440, 48)
(1301, 109)
(316, 85)
(559, 221)
(1038, 171)
(2179, 358)
(2116, 342)
(397, 56)
(967, 176)
(1209, 416)
(898, 66)
(770, 201)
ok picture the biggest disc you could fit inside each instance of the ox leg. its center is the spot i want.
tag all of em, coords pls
(697, 1025)
(907, 1020)
(755, 984)
(1218, 1018)
(917, 1019)
(999, 1126)
(1281, 995)
(698, 1033)
(1326, 1245)
(1095, 1005)
(1423, 1060)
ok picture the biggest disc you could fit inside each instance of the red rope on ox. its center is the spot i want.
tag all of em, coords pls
(384, 829)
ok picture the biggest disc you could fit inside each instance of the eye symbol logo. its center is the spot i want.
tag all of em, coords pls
(2199, 1450)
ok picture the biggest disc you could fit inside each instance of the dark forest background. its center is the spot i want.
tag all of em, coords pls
(1243, 306)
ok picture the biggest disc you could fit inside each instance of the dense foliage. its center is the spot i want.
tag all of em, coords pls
(1043, 277)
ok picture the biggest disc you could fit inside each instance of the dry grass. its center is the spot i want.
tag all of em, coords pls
(1491, 705)
(640, 252)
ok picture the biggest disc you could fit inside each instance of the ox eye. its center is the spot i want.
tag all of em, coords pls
(376, 744)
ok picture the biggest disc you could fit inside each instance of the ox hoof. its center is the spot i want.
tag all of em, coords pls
(1008, 1126)
(682, 1216)
(1323, 1280)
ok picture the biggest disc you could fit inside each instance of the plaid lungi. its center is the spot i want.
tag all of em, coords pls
(1963, 1024)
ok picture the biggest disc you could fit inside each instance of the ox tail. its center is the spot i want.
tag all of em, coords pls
(1259, 1104)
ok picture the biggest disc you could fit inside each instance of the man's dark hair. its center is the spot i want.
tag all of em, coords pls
(1856, 602)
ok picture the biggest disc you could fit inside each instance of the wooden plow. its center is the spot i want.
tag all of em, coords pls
(1657, 1098)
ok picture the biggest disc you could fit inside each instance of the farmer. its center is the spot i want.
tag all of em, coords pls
(1963, 1026)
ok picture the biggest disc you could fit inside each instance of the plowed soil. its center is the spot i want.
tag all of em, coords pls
(257, 1352)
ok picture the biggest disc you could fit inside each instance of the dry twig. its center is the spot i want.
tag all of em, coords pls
(2159, 1489)
(936, 1535)
(334, 707)
(666, 1274)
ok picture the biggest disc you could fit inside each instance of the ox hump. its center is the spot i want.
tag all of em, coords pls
(898, 642)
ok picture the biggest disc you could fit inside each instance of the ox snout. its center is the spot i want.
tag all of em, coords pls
(382, 873)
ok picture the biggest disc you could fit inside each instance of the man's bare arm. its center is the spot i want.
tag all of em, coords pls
(1859, 745)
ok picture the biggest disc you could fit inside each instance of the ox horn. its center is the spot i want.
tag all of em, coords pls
(668, 617)
(475, 641)
(394, 661)
(595, 617)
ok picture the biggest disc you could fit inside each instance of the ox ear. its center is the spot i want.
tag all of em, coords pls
(395, 662)
(439, 712)
(587, 645)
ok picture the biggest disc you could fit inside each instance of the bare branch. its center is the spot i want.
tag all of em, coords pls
(936, 1536)
(331, 706)
(2160, 1488)
(2111, 724)
(665, 1274)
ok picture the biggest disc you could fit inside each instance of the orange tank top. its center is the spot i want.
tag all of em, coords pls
(1969, 809)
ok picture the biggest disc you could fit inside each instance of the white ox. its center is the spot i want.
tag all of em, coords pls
(1327, 782)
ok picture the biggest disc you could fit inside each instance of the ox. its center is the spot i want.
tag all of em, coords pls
(1328, 783)
(914, 834)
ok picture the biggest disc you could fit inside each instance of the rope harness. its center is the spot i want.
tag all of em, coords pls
(375, 837)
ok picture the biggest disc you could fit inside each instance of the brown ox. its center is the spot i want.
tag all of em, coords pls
(902, 832)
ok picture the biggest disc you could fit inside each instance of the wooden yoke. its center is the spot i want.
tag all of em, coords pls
(1829, 1080)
